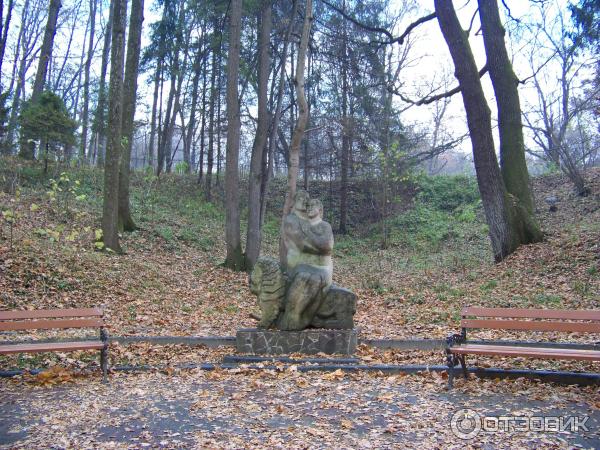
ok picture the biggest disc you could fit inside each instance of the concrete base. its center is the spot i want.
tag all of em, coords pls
(309, 342)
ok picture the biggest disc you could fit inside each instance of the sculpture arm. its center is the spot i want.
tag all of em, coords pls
(318, 243)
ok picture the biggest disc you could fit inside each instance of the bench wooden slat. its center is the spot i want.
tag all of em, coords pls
(468, 346)
(50, 313)
(542, 353)
(51, 324)
(51, 347)
(531, 326)
(524, 313)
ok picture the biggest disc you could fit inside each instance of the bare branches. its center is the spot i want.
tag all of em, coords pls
(391, 39)
(430, 99)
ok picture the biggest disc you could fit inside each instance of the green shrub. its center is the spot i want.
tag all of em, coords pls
(447, 192)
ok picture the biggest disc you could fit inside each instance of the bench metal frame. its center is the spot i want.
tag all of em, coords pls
(52, 319)
(547, 320)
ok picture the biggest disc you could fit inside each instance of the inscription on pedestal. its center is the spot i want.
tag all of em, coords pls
(309, 342)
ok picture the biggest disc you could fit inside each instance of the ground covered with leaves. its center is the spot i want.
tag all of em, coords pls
(285, 409)
(169, 282)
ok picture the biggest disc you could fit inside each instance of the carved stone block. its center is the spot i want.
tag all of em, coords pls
(310, 341)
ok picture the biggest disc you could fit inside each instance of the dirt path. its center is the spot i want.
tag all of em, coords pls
(194, 409)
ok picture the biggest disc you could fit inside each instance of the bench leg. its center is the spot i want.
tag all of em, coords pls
(104, 364)
(451, 361)
(463, 364)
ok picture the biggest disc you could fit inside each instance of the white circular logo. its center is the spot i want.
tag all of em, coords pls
(465, 423)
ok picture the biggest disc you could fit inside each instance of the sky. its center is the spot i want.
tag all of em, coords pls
(430, 60)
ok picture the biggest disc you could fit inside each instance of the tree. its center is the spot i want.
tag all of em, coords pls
(47, 121)
(234, 259)
(563, 100)
(132, 64)
(86, 82)
(294, 157)
(253, 238)
(4, 27)
(505, 83)
(110, 208)
(99, 125)
(27, 151)
(294, 151)
(510, 223)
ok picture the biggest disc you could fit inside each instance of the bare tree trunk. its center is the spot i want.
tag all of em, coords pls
(191, 127)
(110, 210)
(274, 125)
(4, 27)
(203, 121)
(219, 120)
(300, 124)
(234, 259)
(345, 131)
(164, 146)
(153, 131)
(28, 148)
(512, 145)
(86, 83)
(253, 237)
(211, 117)
(505, 82)
(132, 64)
(99, 127)
(302, 111)
(503, 217)
(46, 50)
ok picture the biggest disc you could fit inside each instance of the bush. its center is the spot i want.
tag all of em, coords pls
(447, 192)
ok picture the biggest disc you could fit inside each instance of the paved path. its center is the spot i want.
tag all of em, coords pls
(196, 409)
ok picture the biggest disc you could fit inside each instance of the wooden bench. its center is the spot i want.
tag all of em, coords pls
(545, 320)
(50, 319)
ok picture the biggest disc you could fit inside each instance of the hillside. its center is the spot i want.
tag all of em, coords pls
(169, 281)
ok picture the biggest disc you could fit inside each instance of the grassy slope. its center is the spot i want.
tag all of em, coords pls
(169, 281)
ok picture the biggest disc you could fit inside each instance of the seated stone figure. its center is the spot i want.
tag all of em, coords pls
(309, 243)
(310, 300)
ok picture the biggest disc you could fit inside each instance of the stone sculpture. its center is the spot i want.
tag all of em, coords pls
(299, 293)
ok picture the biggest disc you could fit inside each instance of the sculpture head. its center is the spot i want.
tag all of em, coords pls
(314, 209)
(300, 202)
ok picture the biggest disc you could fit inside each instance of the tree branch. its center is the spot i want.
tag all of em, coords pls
(434, 98)
(391, 39)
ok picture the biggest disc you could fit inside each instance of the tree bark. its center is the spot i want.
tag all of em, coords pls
(345, 131)
(302, 111)
(132, 65)
(191, 127)
(4, 27)
(203, 121)
(234, 259)
(503, 214)
(110, 210)
(211, 116)
(157, 78)
(253, 237)
(86, 83)
(99, 127)
(512, 146)
(300, 125)
(505, 83)
(46, 50)
(274, 125)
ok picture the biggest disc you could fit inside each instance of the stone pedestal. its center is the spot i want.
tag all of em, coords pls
(309, 342)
